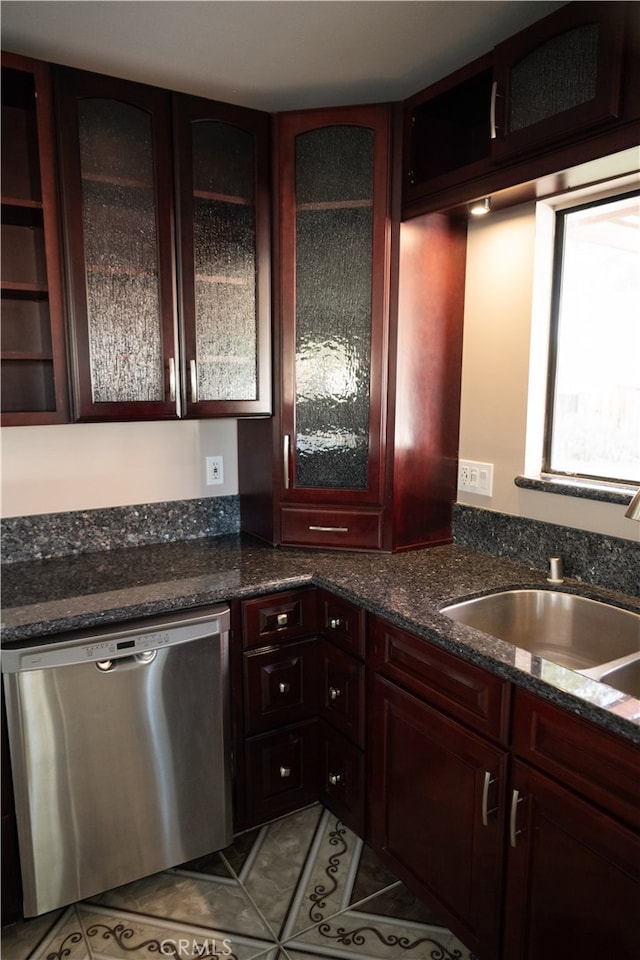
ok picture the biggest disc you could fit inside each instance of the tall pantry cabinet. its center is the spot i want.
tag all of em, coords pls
(362, 450)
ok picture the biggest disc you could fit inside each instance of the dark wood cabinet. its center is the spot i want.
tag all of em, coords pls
(438, 788)
(561, 93)
(573, 866)
(33, 353)
(573, 876)
(134, 356)
(222, 167)
(361, 454)
(558, 78)
(300, 707)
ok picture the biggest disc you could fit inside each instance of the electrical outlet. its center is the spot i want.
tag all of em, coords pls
(215, 470)
(475, 477)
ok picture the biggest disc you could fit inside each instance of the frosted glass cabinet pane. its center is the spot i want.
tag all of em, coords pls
(121, 252)
(334, 236)
(224, 225)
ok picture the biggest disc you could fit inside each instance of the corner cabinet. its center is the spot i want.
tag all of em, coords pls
(155, 334)
(364, 440)
(34, 382)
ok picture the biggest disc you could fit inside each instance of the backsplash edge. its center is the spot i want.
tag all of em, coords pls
(599, 559)
(44, 536)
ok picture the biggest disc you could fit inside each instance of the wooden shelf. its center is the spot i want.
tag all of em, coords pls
(213, 278)
(335, 205)
(222, 198)
(132, 183)
(24, 355)
(23, 290)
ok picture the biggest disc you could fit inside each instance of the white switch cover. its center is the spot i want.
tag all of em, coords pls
(474, 477)
(215, 470)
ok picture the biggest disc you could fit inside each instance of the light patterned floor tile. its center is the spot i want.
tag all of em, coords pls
(20, 939)
(301, 888)
(214, 903)
(116, 935)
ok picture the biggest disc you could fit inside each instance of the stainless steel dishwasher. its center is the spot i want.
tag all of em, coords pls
(120, 753)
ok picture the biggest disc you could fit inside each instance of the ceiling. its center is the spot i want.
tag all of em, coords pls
(270, 55)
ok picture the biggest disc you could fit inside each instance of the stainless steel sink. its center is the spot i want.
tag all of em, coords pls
(589, 636)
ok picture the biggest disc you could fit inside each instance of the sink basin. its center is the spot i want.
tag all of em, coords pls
(573, 631)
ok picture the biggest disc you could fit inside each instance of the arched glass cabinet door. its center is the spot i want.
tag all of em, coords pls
(222, 166)
(118, 206)
(332, 314)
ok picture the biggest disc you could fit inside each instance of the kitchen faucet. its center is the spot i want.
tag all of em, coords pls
(633, 510)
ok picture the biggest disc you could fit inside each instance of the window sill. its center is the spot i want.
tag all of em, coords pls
(578, 488)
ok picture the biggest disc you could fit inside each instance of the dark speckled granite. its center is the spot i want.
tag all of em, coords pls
(591, 557)
(46, 597)
(89, 531)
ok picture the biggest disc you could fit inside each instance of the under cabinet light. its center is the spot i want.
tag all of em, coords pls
(480, 208)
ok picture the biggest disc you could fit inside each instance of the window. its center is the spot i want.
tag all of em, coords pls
(592, 425)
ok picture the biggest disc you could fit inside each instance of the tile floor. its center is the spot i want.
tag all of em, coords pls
(301, 888)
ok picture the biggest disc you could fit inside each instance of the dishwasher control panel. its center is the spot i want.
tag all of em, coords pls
(101, 646)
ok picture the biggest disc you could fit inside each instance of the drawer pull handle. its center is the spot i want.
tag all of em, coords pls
(488, 780)
(335, 624)
(284, 687)
(285, 772)
(335, 779)
(282, 619)
(328, 529)
(513, 832)
(334, 693)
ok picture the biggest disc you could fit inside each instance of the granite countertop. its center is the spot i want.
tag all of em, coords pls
(47, 597)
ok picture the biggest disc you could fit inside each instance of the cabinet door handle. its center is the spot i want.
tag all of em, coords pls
(285, 772)
(286, 454)
(488, 780)
(335, 624)
(193, 368)
(334, 693)
(335, 779)
(329, 529)
(492, 110)
(172, 379)
(284, 687)
(513, 832)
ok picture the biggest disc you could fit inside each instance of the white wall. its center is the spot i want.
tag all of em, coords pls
(495, 376)
(82, 466)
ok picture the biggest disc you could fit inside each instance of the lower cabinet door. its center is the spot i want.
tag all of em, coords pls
(437, 814)
(342, 772)
(573, 876)
(281, 770)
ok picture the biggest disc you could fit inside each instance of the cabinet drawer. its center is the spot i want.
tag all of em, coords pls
(579, 754)
(279, 616)
(281, 771)
(342, 769)
(473, 695)
(281, 685)
(343, 622)
(330, 527)
(342, 692)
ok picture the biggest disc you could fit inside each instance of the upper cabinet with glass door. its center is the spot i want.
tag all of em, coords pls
(223, 200)
(138, 350)
(334, 171)
(560, 76)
